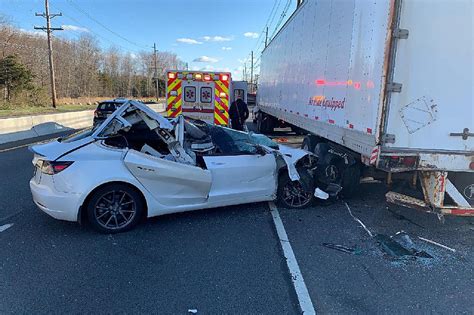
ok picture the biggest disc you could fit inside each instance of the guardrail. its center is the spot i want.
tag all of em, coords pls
(20, 128)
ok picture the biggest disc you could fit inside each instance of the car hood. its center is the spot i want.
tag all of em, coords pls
(292, 154)
(53, 150)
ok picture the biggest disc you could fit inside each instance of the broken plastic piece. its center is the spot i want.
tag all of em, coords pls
(193, 311)
(437, 244)
(422, 254)
(342, 248)
(405, 240)
(318, 193)
(359, 221)
(392, 247)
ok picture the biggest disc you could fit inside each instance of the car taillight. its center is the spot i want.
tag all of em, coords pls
(51, 168)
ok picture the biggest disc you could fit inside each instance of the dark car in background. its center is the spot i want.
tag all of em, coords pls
(105, 108)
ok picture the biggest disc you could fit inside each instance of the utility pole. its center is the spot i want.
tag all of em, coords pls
(49, 30)
(245, 71)
(266, 37)
(156, 70)
(251, 73)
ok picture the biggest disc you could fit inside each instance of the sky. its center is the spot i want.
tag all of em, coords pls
(214, 35)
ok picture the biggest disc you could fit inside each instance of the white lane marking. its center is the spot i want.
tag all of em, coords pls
(5, 227)
(304, 299)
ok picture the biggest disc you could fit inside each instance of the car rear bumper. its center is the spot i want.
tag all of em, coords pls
(61, 206)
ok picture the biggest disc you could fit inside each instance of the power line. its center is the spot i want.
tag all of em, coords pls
(99, 35)
(269, 21)
(104, 26)
(283, 14)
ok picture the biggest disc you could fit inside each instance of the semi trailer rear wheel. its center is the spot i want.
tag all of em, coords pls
(265, 123)
(334, 170)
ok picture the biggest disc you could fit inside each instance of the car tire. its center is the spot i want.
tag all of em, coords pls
(350, 181)
(115, 208)
(265, 123)
(287, 194)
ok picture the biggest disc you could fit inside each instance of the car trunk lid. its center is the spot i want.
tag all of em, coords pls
(53, 150)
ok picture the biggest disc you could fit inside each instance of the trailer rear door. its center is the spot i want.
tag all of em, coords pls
(434, 64)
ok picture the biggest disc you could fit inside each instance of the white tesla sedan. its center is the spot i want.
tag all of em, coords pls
(139, 164)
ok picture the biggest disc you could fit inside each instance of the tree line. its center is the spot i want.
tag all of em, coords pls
(83, 68)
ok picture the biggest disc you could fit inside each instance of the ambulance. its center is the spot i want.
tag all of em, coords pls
(202, 95)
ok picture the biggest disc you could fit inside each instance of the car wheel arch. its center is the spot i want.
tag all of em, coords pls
(82, 214)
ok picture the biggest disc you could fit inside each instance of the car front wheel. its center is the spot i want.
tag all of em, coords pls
(115, 208)
(295, 194)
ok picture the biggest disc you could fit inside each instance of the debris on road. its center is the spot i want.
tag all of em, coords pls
(403, 248)
(192, 311)
(5, 227)
(358, 220)
(404, 239)
(318, 193)
(342, 248)
(392, 247)
(437, 244)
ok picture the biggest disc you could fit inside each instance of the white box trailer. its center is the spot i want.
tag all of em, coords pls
(388, 83)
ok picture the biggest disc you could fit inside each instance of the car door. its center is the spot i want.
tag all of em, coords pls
(171, 183)
(242, 178)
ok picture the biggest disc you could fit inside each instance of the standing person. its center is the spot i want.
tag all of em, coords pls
(238, 113)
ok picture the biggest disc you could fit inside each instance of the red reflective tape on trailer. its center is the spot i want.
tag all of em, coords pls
(351, 126)
(331, 121)
(374, 155)
(369, 130)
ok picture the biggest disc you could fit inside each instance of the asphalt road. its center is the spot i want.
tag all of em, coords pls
(228, 260)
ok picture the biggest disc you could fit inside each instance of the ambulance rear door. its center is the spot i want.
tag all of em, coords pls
(198, 100)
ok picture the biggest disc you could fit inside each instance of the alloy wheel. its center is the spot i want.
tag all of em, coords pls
(295, 196)
(115, 210)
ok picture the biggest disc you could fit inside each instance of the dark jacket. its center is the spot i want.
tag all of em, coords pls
(238, 112)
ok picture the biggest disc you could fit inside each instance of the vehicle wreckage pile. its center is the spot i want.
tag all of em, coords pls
(169, 165)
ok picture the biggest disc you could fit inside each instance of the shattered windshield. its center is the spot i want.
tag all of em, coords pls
(232, 141)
